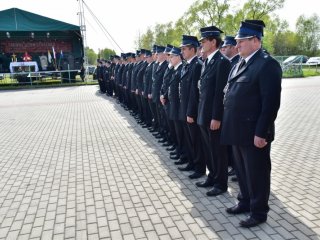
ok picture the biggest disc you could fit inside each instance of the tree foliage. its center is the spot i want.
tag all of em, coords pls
(91, 55)
(308, 34)
(219, 13)
(102, 54)
(106, 53)
(278, 39)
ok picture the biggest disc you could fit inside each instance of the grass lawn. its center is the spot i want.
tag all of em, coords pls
(309, 71)
(9, 83)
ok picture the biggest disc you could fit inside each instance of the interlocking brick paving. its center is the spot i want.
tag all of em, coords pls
(75, 165)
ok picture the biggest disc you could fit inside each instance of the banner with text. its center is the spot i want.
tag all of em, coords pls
(36, 46)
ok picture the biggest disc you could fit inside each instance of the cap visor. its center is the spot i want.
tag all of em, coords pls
(243, 36)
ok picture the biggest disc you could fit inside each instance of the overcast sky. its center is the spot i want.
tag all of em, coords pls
(124, 19)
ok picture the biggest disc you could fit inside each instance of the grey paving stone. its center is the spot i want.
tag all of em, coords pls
(76, 165)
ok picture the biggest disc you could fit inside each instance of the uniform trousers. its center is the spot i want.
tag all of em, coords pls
(196, 142)
(253, 169)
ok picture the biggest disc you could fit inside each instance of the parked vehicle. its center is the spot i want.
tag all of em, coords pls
(313, 61)
(90, 69)
(296, 59)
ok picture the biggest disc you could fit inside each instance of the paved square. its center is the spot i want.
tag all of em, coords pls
(75, 165)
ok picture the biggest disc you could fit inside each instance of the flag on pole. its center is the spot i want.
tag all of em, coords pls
(49, 57)
(54, 52)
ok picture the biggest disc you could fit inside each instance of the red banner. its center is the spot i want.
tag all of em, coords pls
(35, 46)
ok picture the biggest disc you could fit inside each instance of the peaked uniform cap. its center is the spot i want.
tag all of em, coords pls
(175, 51)
(189, 40)
(249, 30)
(168, 48)
(211, 31)
(229, 40)
(257, 22)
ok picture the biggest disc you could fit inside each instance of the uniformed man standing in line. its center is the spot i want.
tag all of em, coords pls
(147, 81)
(135, 71)
(173, 97)
(169, 125)
(157, 80)
(115, 75)
(125, 61)
(251, 104)
(210, 109)
(139, 87)
(112, 69)
(119, 78)
(150, 102)
(100, 75)
(106, 76)
(189, 99)
(231, 52)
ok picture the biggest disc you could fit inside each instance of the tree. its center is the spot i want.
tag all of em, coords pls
(147, 39)
(91, 55)
(257, 9)
(308, 33)
(106, 53)
(208, 12)
(219, 13)
(285, 43)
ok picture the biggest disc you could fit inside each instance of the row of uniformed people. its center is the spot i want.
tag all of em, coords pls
(179, 96)
(173, 94)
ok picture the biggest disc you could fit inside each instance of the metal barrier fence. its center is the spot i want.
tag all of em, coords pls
(296, 66)
(44, 77)
(291, 65)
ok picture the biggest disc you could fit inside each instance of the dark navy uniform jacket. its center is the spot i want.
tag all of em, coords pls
(147, 80)
(252, 100)
(234, 60)
(157, 81)
(190, 75)
(135, 71)
(140, 76)
(173, 94)
(212, 82)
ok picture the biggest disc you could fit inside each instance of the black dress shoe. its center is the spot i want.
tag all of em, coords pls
(186, 168)
(174, 157)
(231, 172)
(234, 179)
(173, 153)
(166, 144)
(158, 136)
(206, 183)
(180, 162)
(251, 222)
(215, 192)
(237, 209)
(171, 148)
(196, 175)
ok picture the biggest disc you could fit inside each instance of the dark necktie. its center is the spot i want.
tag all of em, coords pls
(206, 63)
(241, 65)
(185, 68)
